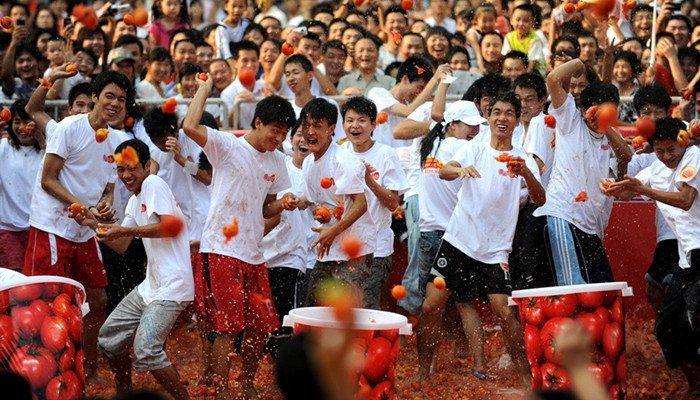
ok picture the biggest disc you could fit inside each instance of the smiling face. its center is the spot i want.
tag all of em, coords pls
(502, 120)
(576, 86)
(132, 176)
(459, 62)
(669, 152)
(411, 46)
(170, 8)
(622, 71)
(96, 43)
(110, 105)
(159, 69)
(358, 128)
(462, 131)
(522, 22)
(26, 67)
(299, 147)
(298, 79)
(188, 83)
(366, 54)
(204, 56)
(272, 27)
(486, 21)
(513, 67)
(438, 46)
(81, 105)
(641, 26)
(349, 39)
(531, 106)
(335, 30)
(334, 60)
(84, 63)
(268, 54)
(491, 47)
(221, 74)
(184, 53)
(680, 31)
(25, 139)
(396, 22)
(318, 135)
(272, 134)
(122, 29)
(635, 47)
(310, 48)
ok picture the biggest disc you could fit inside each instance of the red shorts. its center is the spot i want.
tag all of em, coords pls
(14, 245)
(231, 295)
(48, 254)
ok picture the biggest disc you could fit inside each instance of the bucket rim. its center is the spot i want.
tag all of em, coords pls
(571, 289)
(29, 280)
(363, 318)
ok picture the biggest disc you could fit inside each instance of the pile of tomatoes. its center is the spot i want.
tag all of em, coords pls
(40, 338)
(601, 313)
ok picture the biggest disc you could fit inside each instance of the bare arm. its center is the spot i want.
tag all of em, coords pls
(682, 199)
(327, 86)
(534, 187)
(389, 198)
(426, 94)
(619, 146)
(271, 223)
(327, 234)
(560, 77)
(437, 111)
(410, 129)
(453, 170)
(670, 51)
(191, 125)
(277, 71)
(35, 106)
(274, 206)
(8, 62)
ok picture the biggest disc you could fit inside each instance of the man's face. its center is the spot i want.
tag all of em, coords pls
(269, 53)
(297, 78)
(184, 53)
(635, 47)
(136, 55)
(326, 18)
(459, 62)
(588, 49)
(366, 54)
(310, 48)
(221, 74)
(531, 106)
(641, 26)
(132, 176)
(335, 30)
(110, 105)
(317, 133)
(483, 105)
(334, 60)
(161, 141)
(577, 85)
(438, 46)
(491, 47)
(349, 39)
(84, 63)
(689, 66)
(413, 89)
(126, 67)
(411, 46)
(247, 59)
(669, 152)
(81, 105)
(18, 13)
(26, 67)
(502, 120)
(272, 27)
(565, 45)
(680, 31)
(122, 29)
(439, 7)
(652, 111)
(358, 127)
(189, 85)
(204, 56)
(396, 22)
(513, 68)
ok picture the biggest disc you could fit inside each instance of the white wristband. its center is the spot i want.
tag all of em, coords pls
(191, 168)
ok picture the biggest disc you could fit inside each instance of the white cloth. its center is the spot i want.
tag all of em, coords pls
(87, 169)
(386, 57)
(181, 109)
(581, 160)
(447, 23)
(348, 174)
(246, 110)
(225, 35)
(315, 88)
(541, 142)
(384, 133)
(440, 196)
(296, 176)
(169, 269)
(243, 177)
(338, 133)
(420, 114)
(389, 174)
(484, 135)
(482, 225)
(18, 173)
(638, 163)
(146, 90)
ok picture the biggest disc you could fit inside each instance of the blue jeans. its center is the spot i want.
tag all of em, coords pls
(416, 276)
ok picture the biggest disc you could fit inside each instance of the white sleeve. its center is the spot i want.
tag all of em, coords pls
(350, 177)
(382, 98)
(534, 53)
(219, 145)
(158, 198)
(393, 176)
(222, 43)
(568, 117)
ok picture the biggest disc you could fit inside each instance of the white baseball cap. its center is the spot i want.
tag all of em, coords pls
(464, 111)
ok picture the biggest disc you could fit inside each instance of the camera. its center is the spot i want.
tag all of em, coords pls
(117, 9)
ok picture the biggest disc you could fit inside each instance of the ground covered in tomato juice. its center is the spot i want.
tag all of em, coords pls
(648, 377)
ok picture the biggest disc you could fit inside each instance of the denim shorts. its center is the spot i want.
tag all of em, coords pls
(146, 326)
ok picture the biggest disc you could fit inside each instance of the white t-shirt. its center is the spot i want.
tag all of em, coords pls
(146, 90)
(88, 168)
(225, 35)
(484, 135)
(447, 23)
(296, 177)
(640, 162)
(246, 110)
(192, 195)
(243, 177)
(420, 114)
(482, 225)
(181, 109)
(285, 245)
(540, 141)
(348, 174)
(384, 133)
(582, 158)
(18, 173)
(169, 269)
(388, 174)
(315, 88)
(440, 196)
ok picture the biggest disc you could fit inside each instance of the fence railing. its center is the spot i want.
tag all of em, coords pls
(56, 104)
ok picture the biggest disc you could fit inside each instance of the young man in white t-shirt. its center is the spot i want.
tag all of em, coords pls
(385, 179)
(473, 255)
(78, 169)
(673, 183)
(145, 316)
(249, 172)
(577, 212)
(246, 55)
(336, 190)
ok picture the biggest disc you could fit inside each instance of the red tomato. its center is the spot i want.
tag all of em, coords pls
(617, 312)
(613, 340)
(287, 49)
(389, 334)
(569, 8)
(79, 360)
(8, 340)
(171, 225)
(536, 377)
(621, 370)
(378, 359)
(533, 347)
(61, 305)
(398, 292)
(554, 377)
(41, 307)
(610, 297)
(51, 290)
(560, 306)
(351, 246)
(75, 324)
(26, 292)
(603, 314)
(140, 17)
(54, 333)
(364, 389)
(590, 299)
(407, 4)
(27, 321)
(645, 127)
(616, 392)
(549, 332)
(593, 324)
(67, 359)
(66, 386)
(534, 314)
(602, 370)
(246, 77)
(391, 374)
(4, 301)
(383, 391)
(169, 106)
(35, 363)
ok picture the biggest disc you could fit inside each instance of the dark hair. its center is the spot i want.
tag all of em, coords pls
(426, 144)
(360, 105)
(377, 42)
(457, 49)
(272, 18)
(255, 27)
(269, 39)
(527, 8)
(689, 52)
(188, 69)
(494, 33)
(507, 97)
(275, 109)
(141, 150)
(107, 77)
(634, 39)
(669, 35)
(570, 28)
(21, 5)
(532, 80)
(371, 14)
(185, 30)
(158, 53)
(314, 23)
(301, 60)
(459, 36)
(81, 88)
(18, 110)
(391, 67)
(666, 129)
(570, 39)
(321, 8)
(24, 48)
(311, 36)
(243, 45)
(85, 34)
(357, 12)
(589, 72)
(208, 120)
(438, 30)
(335, 21)
(489, 85)
(640, 8)
(466, 14)
(418, 35)
(395, 9)
(696, 88)
(334, 44)
(184, 15)
(159, 124)
(88, 52)
(318, 109)
(587, 34)
(598, 93)
(651, 95)
(208, 29)
(679, 17)
(356, 27)
(517, 55)
(127, 40)
(415, 68)
(38, 32)
(631, 58)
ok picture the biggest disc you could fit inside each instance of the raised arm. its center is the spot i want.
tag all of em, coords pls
(191, 125)
(426, 94)
(559, 78)
(35, 106)
(8, 62)
(437, 111)
(275, 77)
(410, 129)
(388, 198)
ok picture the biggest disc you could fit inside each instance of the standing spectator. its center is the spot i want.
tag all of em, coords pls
(440, 15)
(232, 28)
(158, 71)
(524, 39)
(365, 77)
(168, 17)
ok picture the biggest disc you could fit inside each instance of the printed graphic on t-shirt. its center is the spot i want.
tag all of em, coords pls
(688, 173)
(270, 178)
(432, 165)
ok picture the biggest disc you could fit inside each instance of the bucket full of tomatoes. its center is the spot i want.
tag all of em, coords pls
(41, 327)
(598, 307)
(377, 344)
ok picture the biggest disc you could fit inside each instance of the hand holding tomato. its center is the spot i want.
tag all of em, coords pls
(290, 201)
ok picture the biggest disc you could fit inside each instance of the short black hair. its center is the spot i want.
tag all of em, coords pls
(334, 44)
(312, 36)
(395, 9)
(669, 35)
(25, 48)
(272, 18)
(159, 54)
(355, 27)
(184, 30)
(159, 124)
(640, 8)
(243, 45)
(570, 39)
(127, 40)
(666, 129)
(18, 110)
(255, 27)
(532, 80)
(651, 95)
(599, 93)
(188, 69)
(457, 49)
(185, 40)
(319, 109)
(301, 60)
(107, 77)
(314, 23)
(391, 67)
(321, 8)
(377, 42)
(415, 68)
(275, 109)
(81, 88)
(527, 8)
(632, 59)
(679, 17)
(141, 150)
(438, 30)
(360, 105)
(587, 34)
(507, 97)
(489, 33)
(517, 55)
(418, 35)
(570, 28)
(689, 52)
(635, 39)
(489, 85)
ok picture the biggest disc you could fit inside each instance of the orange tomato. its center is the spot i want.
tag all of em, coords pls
(382, 117)
(358, 2)
(71, 68)
(5, 115)
(591, 112)
(171, 226)
(503, 157)
(129, 122)
(230, 230)
(129, 20)
(602, 8)
(398, 292)
(323, 215)
(169, 106)
(397, 37)
(326, 182)
(645, 127)
(581, 5)
(246, 77)
(287, 49)
(683, 138)
(581, 197)
(86, 15)
(140, 17)
(101, 135)
(439, 283)
(338, 212)
(127, 156)
(203, 76)
(638, 142)
(351, 246)
(549, 120)
(6, 22)
(45, 83)
(569, 8)
(695, 130)
(407, 4)
(607, 116)
(76, 209)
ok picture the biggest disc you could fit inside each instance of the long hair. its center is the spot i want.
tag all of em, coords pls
(184, 15)
(17, 110)
(426, 145)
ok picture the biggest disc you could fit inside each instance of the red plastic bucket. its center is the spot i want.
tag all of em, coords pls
(41, 328)
(377, 343)
(599, 307)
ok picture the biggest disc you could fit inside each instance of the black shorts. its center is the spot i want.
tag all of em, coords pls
(529, 260)
(665, 260)
(467, 277)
